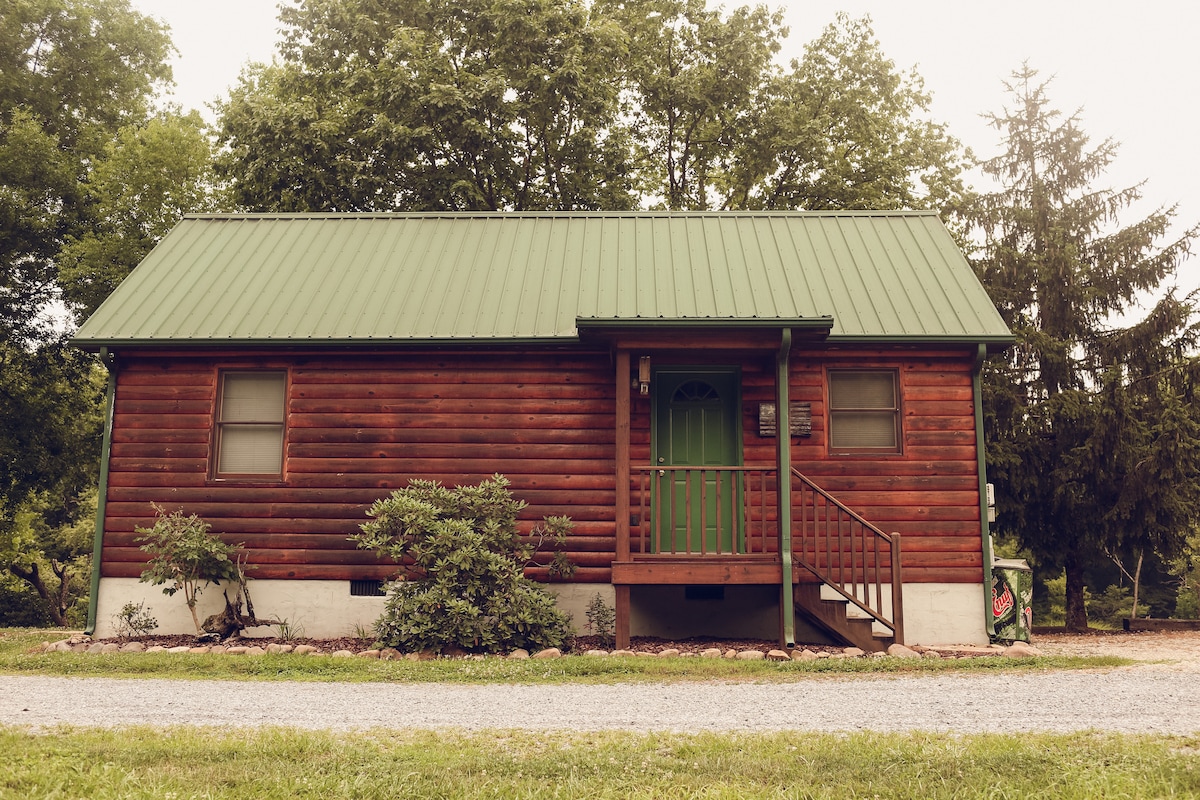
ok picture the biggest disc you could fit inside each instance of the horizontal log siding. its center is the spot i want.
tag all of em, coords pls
(929, 493)
(359, 426)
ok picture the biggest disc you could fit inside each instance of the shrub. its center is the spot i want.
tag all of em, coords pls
(601, 620)
(134, 620)
(184, 555)
(464, 584)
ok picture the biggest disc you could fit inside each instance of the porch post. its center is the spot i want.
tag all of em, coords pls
(783, 440)
(622, 508)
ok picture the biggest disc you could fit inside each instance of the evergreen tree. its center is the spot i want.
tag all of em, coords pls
(1093, 430)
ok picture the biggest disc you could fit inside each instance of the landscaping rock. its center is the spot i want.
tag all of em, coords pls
(549, 652)
(711, 652)
(520, 654)
(931, 654)
(110, 647)
(133, 647)
(200, 651)
(854, 652)
(279, 648)
(94, 647)
(183, 648)
(255, 650)
(1021, 650)
(804, 655)
(237, 650)
(778, 655)
(157, 648)
(668, 653)
(750, 655)
(645, 654)
(900, 651)
(597, 653)
(218, 649)
(347, 654)
(621, 653)
(369, 654)
(730, 653)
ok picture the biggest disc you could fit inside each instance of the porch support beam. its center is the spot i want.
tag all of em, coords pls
(783, 439)
(622, 510)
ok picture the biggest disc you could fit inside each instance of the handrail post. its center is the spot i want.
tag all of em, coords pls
(897, 592)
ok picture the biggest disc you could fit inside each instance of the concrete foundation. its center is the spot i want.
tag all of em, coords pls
(933, 613)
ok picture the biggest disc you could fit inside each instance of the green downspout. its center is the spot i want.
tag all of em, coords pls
(981, 454)
(109, 362)
(783, 435)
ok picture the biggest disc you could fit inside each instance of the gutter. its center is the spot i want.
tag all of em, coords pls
(981, 455)
(783, 436)
(110, 363)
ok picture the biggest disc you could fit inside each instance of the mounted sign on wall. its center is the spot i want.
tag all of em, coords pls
(799, 419)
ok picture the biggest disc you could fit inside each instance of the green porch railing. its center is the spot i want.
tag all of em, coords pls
(700, 511)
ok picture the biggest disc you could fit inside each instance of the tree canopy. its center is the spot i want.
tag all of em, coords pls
(1092, 423)
(568, 104)
(88, 182)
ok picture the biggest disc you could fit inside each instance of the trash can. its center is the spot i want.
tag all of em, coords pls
(1012, 599)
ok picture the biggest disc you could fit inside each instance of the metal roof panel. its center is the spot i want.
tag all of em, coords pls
(348, 278)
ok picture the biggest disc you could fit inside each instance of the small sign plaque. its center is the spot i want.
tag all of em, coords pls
(799, 419)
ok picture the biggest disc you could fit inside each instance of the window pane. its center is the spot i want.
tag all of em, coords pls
(862, 390)
(863, 429)
(253, 449)
(253, 397)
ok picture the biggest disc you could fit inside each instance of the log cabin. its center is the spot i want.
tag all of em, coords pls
(762, 424)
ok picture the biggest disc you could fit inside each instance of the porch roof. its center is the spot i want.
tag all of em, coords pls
(337, 279)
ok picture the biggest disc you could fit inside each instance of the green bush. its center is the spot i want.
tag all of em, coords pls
(186, 556)
(464, 584)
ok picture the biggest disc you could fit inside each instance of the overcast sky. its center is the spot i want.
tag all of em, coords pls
(1131, 67)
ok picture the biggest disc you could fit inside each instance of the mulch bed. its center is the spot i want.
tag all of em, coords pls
(580, 644)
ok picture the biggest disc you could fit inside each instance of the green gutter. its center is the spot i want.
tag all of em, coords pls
(109, 361)
(783, 435)
(981, 455)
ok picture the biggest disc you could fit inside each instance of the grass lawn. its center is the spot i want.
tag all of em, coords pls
(15, 658)
(273, 763)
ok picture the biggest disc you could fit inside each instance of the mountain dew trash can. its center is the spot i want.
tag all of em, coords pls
(1012, 599)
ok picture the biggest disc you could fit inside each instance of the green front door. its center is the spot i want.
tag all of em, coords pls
(696, 426)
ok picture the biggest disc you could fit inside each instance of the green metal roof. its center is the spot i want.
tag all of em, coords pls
(426, 278)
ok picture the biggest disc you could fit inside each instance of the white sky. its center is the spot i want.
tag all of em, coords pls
(1133, 68)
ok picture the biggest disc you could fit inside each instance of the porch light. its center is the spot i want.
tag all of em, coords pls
(644, 375)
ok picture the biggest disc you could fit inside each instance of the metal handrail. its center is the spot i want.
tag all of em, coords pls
(847, 553)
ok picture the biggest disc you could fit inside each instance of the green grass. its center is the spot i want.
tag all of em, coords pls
(278, 763)
(15, 658)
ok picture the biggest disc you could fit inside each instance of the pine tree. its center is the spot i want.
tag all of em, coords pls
(1093, 430)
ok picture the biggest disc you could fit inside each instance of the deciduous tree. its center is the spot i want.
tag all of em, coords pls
(571, 104)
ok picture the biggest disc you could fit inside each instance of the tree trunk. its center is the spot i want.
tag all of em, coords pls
(1077, 620)
(1137, 578)
(33, 577)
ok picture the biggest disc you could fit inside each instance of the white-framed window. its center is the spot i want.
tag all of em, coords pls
(864, 411)
(250, 424)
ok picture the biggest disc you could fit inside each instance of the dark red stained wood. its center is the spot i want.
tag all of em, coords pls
(362, 424)
(450, 435)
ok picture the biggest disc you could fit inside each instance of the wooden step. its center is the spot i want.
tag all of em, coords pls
(831, 616)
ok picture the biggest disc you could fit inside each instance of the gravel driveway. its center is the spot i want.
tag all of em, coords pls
(1127, 701)
(1147, 698)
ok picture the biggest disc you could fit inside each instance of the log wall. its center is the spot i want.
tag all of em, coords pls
(358, 427)
(929, 492)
